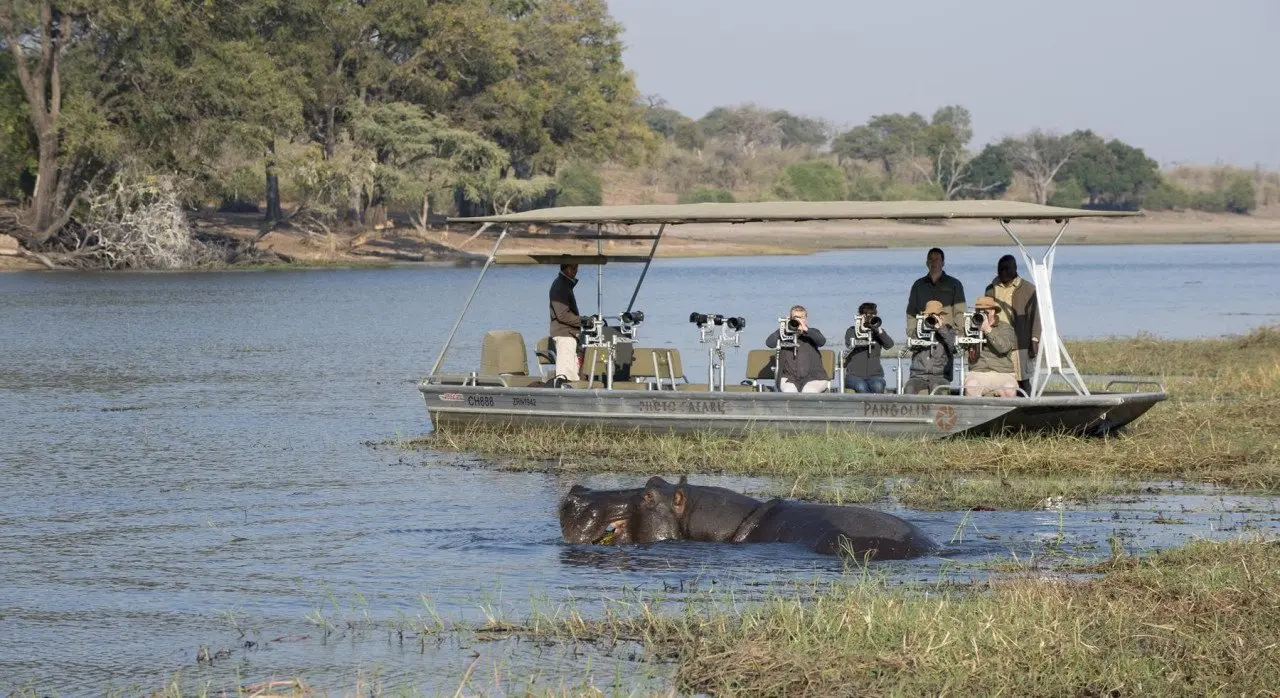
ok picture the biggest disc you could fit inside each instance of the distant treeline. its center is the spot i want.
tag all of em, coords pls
(746, 150)
(116, 114)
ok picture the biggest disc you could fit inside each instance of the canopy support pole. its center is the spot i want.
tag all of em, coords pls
(1052, 353)
(644, 271)
(492, 253)
(599, 271)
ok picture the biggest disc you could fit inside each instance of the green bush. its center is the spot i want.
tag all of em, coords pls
(1070, 195)
(811, 181)
(703, 195)
(1166, 196)
(1239, 195)
(578, 184)
(867, 188)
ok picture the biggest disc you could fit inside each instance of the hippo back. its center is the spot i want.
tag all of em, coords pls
(831, 529)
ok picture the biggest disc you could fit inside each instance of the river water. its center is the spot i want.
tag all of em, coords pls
(183, 463)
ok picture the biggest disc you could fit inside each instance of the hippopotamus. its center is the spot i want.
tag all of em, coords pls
(663, 511)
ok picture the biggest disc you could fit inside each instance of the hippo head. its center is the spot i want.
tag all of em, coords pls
(614, 517)
(597, 516)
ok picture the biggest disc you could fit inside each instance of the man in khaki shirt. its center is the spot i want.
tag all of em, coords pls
(1016, 301)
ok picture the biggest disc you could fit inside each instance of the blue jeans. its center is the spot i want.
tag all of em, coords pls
(874, 384)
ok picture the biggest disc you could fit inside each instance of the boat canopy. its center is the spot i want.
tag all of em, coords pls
(581, 259)
(676, 214)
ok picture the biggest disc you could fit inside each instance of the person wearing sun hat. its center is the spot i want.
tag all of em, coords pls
(992, 372)
(931, 366)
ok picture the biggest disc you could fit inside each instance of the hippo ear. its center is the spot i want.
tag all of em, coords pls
(684, 480)
(577, 489)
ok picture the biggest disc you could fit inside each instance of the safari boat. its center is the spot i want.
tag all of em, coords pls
(628, 386)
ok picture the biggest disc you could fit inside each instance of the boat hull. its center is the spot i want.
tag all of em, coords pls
(469, 406)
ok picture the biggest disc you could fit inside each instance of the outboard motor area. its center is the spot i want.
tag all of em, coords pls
(718, 331)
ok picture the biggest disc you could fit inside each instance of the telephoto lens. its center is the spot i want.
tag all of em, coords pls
(717, 319)
(975, 322)
(931, 321)
(633, 317)
(698, 319)
(874, 322)
(793, 324)
(736, 323)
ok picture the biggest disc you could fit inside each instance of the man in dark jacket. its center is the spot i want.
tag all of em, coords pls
(937, 285)
(566, 325)
(863, 372)
(932, 366)
(800, 368)
(1016, 298)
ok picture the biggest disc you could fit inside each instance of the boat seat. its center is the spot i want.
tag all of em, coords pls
(740, 389)
(503, 353)
(627, 385)
(545, 354)
(523, 381)
(595, 363)
(829, 363)
(661, 365)
(760, 369)
(693, 387)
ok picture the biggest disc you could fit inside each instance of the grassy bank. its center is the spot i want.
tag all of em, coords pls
(1196, 621)
(1219, 426)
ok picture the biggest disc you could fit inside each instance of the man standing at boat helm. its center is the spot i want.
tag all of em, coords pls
(937, 285)
(1017, 300)
(566, 324)
(800, 368)
(992, 371)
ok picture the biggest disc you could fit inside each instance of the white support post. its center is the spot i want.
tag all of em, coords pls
(493, 253)
(599, 271)
(1052, 356)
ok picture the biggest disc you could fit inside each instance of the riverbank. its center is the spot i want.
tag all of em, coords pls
(1194, 621)
(1218, 427)
(458, 244)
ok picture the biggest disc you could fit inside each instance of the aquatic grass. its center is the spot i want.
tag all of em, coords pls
(1194, 621)
(1219, 426)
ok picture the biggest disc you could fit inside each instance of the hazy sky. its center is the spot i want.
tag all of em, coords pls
(1186, 80)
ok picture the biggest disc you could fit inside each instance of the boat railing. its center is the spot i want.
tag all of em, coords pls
(1136, 382)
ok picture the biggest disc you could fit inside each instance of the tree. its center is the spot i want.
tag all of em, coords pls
(37, 37)
(1039, 156)
(990, 173)
(1113, 174)
(801, 131)
(811, 181)
(417, 155)
(747, 127)
(159, 84)
(886, 138)
(943, 146)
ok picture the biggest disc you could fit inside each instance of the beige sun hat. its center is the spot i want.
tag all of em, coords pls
(986, 303)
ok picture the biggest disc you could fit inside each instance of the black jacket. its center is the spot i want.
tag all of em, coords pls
(803, 363)
(564, 308)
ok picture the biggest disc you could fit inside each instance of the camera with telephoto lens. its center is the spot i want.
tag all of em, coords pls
(973, 324)
(788, 332)
(737, 324)
(592, 329)
(703, 319)
(926, 331)
(863, 329)
(632, 317)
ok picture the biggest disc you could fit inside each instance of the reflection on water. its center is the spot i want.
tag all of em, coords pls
(183, 466)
